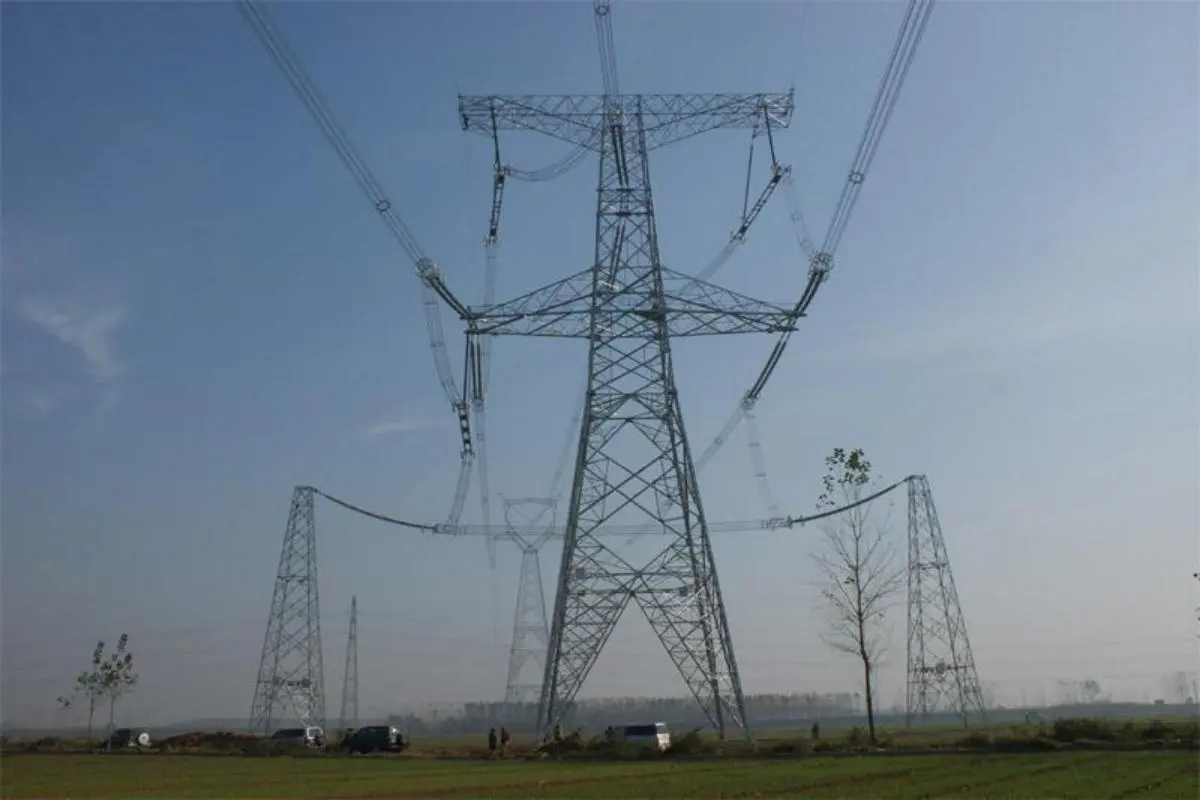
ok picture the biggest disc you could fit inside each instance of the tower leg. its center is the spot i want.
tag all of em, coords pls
(348, 718)
(633, 460)
(291, 673)
(941, 668)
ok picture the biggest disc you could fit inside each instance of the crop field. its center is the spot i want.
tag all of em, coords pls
(1095, 774)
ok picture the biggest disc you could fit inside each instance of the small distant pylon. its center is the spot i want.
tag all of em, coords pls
(291, 676)
(531, 630)
(941, 668)
(350, 676)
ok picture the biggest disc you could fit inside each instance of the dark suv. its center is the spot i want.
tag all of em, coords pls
(128, 737)
(376, 738)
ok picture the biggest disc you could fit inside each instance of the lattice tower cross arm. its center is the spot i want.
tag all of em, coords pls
(666, 118)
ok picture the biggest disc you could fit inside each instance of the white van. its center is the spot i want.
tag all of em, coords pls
(655, 735)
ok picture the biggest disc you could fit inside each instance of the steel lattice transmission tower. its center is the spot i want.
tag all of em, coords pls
(531, 631)
(291, 677)
(941, 668)
(633, 457)
(350, 674)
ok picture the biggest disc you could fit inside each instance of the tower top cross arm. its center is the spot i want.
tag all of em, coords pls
(666, 118)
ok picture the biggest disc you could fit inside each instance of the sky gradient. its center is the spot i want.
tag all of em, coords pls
(198, 311)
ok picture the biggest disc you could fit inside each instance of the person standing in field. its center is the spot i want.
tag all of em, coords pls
(492, 743)
(504, 738)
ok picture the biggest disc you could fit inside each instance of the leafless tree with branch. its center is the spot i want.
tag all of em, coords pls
(858, 565)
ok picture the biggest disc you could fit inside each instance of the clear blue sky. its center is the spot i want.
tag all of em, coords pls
(199, 311)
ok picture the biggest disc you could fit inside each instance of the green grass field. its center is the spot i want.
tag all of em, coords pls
(1092, 775)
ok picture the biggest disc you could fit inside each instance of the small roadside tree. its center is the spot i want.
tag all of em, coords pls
(858, 566)
(116, 676)
(88, 684)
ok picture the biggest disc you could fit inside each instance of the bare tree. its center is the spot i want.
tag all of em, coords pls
(89, 685)
(116, 676)
(859, 567)
(1090, 691)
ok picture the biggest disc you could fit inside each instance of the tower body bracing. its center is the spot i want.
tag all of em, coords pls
(633, 454)
(531, 632)
(348, 718)
(941, 669)
(291, 682)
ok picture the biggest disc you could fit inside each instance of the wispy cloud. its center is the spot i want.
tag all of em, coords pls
(87, 330)
(37, 404)
(398, 426)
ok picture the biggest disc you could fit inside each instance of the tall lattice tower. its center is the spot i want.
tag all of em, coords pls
(941, 668)
(531, 631)
(291, 676)
(633, 459)
(350, 675)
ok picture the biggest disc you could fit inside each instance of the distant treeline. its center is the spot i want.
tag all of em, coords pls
(764, 711)
(680, 712)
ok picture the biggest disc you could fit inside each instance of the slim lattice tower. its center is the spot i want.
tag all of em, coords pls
(291, 682)
(350, 675)
(941, 669)
(531, 631)
(633, 460)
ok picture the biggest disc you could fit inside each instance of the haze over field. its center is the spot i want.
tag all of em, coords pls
(199, 311)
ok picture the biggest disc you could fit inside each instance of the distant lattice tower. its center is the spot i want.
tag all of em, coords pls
(941, 668)
(291, 677)
(531, 630)
(348, 718)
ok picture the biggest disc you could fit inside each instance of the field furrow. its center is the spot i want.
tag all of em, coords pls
(1091, 774)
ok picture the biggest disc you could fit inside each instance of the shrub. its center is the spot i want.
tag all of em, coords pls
(628, 751)
(598, 744)
(1093, 744)
(1070, 730)
(691, 743)
(976, 740)
(798, 746)
(856, 737)
(1025, 744)
(573, 742)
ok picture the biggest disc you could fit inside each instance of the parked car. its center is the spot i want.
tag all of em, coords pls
(312, 736)
(376, 738)
(655, 735)
(128, 737)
